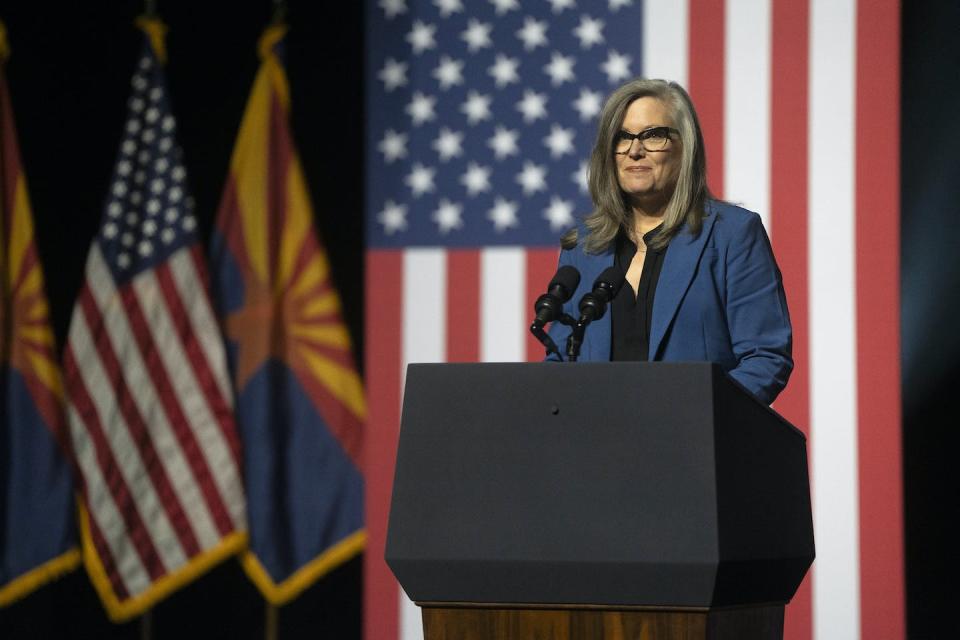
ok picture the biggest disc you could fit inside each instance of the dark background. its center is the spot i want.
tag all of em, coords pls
(69, 79)
(69, 76)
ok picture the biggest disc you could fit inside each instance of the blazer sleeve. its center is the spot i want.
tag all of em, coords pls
(756, 311)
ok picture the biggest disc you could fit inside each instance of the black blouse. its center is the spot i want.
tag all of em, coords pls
(631, 315)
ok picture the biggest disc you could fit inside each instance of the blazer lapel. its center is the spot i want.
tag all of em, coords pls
(679, 267)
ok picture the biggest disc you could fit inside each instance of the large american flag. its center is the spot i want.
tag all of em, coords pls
(149, 400)
(481, 115)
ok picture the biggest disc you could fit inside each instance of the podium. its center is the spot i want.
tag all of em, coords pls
(634, 500)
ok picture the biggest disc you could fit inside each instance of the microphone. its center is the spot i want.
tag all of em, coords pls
(549, 306)
(593, 306)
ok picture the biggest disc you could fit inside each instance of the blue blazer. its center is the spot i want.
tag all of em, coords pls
(719, 298)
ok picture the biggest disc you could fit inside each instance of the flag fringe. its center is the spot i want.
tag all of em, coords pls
(27, 583)
(281, 593)
(122, 611)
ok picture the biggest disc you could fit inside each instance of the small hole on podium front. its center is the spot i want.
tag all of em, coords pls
(554, 409)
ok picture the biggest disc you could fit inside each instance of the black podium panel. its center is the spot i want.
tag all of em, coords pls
(607, 483)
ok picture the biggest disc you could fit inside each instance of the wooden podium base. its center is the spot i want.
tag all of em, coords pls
(448, 621)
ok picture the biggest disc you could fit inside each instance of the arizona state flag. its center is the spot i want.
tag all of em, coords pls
(37, 533)
(300, 404)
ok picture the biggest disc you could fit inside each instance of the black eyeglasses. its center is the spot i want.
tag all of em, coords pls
(652, 139)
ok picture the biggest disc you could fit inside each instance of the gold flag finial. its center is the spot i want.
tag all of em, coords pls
(156, 30)
(4, 44)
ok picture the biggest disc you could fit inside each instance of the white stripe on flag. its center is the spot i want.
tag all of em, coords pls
(424, 340)
(116, 430)
(199, 418)
(833, 390)
(102, 508)
(665, 25)
(503, 282)
(746, 130)
(205, 327)
(424, 306)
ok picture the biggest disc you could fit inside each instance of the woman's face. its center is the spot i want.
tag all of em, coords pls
(648, 177)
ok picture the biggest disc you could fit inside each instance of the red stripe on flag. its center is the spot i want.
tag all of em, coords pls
(463, 305)
(217, 405)
(279, 158)
(705, 81)
(127, 507)
(384, 286)
(541, 265)
(878, 303)
(789, 204)
(139, 434)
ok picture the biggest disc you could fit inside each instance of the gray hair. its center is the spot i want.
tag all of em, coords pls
(611, 207)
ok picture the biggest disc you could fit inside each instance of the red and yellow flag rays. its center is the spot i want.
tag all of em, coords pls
(291, 311)
(32, 350)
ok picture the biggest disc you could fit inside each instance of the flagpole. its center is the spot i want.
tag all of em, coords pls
(270, 623)
(146, 625)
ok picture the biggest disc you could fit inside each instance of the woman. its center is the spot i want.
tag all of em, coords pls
(703, 283)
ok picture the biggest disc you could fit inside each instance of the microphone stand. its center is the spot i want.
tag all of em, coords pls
(575, 339)
(537, 330)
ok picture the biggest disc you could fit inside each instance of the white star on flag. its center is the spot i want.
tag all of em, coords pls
(504, 70)
(503, 142)
(560, 141)
(503, 6)
(533, 106)
(616, 5)
(477, 35)
(557, 6)
(448, 7)
(449, 72)
(588, 104)
(393, 74)
(393, 146)
(393, 217)
(617, 67)
(476, 179)
(532, 178)
(448, 144)
(393, 8)
(503, 214)
(448, 216)
(559, 213)
(533, 33)
(589, 31)
(421, 37)
(560, 69)
(580, 178)
(420, 180)
(477, 107)
(420, 108)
